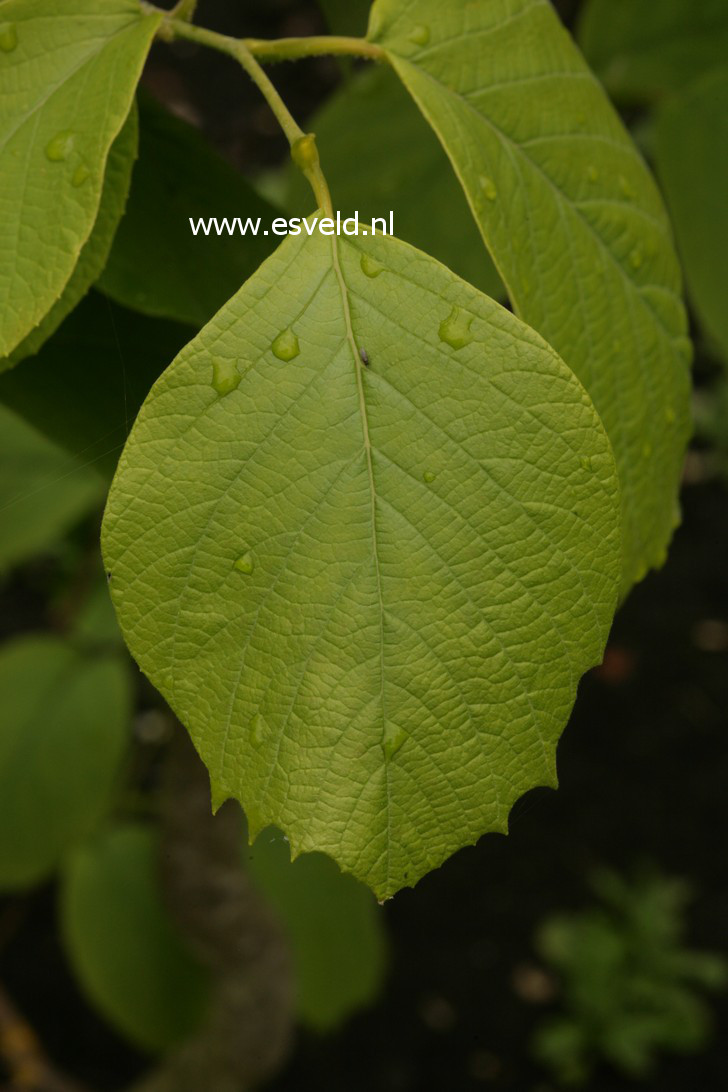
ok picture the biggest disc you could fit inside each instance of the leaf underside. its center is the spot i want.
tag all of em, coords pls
(573, 220)
(95, 250)
(68, 83)
(368, 592)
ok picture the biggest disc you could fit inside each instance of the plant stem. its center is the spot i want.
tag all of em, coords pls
(293, 49)
(303, 145)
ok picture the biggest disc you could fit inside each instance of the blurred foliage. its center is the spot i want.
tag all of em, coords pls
(333, 924)
(346, 16)
(691, 152)
(641, 50)
(64, 717)
(630, 984)
(43, 490)
(122, 942)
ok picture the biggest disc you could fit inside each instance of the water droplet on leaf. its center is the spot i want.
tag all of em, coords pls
(428, 476)
(258, 729)
(8, 37)
(60, 146)
(80, 175)
(393, 739)
(420, 35)
(225, 376)
(487, 185)
(370, 267)
(455, 329)
(286, 346)
(244, 564)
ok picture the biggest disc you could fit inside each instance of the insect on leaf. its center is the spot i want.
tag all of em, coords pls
(368, 592)
(573, 220)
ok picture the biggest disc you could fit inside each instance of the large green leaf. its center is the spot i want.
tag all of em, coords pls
(43, 490)
(573, 220)
(156, 262)
(96, 249)
(63, 725)
(369, 592)
(692, 161)
(641, 50)
(371, 122)
(122, 942)
(84, 387)
(67, 80)
(333, 926)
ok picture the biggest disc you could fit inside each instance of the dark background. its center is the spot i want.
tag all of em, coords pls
(643, 764)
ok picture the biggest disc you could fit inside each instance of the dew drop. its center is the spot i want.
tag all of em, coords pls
(636, 258)
(428, 476)
(60, 146)
(8, 37)
(592, 174)
(80, 175)
(225, 376)
(286, 346)
(487, 185)
(244, 564)
(393, 739)
(455, 329)
(420, 35)
(258, 729)
(370, 267)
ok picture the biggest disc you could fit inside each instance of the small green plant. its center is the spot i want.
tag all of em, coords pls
(630, 986)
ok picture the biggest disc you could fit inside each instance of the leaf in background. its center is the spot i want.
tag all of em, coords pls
(157, 265)
(348, 17)
(122, 943)
(368, 592)
(63, 730)
(67, 81)
(379, 155)
(691, 152)
(43, 491)
(96, 249)
(333, 927)
(641, 50)
(84, 387)
(574, 222)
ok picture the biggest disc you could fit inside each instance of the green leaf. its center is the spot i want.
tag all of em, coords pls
(691, 151)
(350, 582)
(156, 261)
(63, 730)
(84, 387)
(96, 249)
(333, 927)
(372, 121)
(43, 491)
(122, 943)
(573, 220)
(67, 82)
(641, 50)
